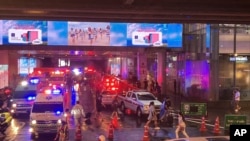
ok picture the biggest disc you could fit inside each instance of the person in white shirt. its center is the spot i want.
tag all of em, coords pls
(152, 115)
(78, 113)
(237, 99)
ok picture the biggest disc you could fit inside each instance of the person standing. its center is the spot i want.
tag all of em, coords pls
(152, 115)
(145, 84)
(78, 113)
(181, 126)
(62, 133)
(237, 99)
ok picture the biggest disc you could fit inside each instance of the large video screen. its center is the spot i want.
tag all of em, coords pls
(118, 34)
(89, 33)
(145, 34)
(72, 33)
(58, 33)
(24, 32)
(1, 31)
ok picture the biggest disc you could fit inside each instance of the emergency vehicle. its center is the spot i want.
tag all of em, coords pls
(47, 112)
(23, 98)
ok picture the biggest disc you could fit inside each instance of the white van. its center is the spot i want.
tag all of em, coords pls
(23, 98)
(46, 114)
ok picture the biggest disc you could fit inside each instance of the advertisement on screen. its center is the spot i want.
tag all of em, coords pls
(24, 32)
(118, 34)
(154, 35)
(1, 31)
(89, 33)
(58, 33)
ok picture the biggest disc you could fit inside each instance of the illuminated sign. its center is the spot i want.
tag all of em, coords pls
(25, 36)
(239, 59)
(24, 32)
(72, 33)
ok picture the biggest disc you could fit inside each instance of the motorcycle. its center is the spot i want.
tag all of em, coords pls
(5, 121)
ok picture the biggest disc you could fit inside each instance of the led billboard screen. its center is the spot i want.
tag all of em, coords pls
(24, 32)
(88, 33)
(71, 33)
(58, 33)
(1, 32)
(145, 34)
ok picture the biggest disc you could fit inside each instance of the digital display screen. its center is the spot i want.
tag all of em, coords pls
(89, 33)
(155, 35)
(24, 32)
(58, 33)
(71, 33)
(1, 32)
(194, 109)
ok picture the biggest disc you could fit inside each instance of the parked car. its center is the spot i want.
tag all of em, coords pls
(108, 96)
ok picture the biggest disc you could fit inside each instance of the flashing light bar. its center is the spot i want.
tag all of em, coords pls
(58, 112)
(34, 80)
(30, 98)
(56, 91)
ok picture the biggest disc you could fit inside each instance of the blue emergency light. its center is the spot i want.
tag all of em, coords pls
(56, 91)
(58, 112)
(34, 80)
(30, 98)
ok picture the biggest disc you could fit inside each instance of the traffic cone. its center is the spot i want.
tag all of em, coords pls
(146, 134)
(115, 121)
(111, 132)
(216, 126)
(101, 138)
(78, 134)
(203, 125)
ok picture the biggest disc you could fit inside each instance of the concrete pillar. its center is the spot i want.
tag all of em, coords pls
(141, 65)
(124, 68)
(161, 70)
(214, 64)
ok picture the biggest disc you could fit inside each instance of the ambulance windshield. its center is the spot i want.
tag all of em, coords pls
(47, 107)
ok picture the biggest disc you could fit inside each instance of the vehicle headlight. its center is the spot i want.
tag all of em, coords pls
(65, 115)
(145, 107)
(14, 105)
(33, 122)
(59, 121)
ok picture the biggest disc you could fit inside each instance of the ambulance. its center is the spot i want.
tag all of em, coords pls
(47, 112)
(23, 98)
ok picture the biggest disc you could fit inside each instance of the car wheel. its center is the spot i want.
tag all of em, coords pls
(138, 113)
(123, 108)
(32, 136)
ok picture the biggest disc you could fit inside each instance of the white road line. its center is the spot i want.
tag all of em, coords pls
(211, 125)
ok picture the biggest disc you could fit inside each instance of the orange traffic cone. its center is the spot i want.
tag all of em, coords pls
(146, 134)
(78, 134)
(111, 132)
(203, 125)
(216, 126)
(115, 121)
(101, 138)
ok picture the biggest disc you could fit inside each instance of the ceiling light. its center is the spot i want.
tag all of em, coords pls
(35, 12)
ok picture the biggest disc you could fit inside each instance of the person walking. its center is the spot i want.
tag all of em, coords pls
(181, 126)
(62, 132)
(237, 99)
(78, 114)
(152, 115)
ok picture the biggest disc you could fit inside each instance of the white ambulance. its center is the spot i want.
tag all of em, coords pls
(47, 113)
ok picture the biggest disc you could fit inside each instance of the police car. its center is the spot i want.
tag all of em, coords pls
(47, 113)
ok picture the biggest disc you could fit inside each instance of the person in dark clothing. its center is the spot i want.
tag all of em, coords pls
(99, 106)
(145, 83)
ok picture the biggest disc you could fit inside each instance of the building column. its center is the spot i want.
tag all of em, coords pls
(141, 65)
(161, 70)
(124, 68)
(214, 64)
